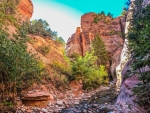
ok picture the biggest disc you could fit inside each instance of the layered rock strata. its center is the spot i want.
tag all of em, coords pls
(25, 7)
(80, 41)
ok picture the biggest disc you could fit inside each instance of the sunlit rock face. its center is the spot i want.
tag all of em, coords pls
(125, 53)
(80, 41)
(25, 8)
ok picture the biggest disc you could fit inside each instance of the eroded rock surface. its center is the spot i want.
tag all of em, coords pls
(124, 98)
(25, 8)
(37, 98)
(80, 41)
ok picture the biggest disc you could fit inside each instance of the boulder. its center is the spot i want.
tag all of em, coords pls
(37, 98)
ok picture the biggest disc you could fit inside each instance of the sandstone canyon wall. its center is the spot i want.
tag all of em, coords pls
(41, 95)
(25, 8)
(80, 41)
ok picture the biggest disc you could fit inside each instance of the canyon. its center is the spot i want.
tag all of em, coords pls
(81, 40)
(49, 97)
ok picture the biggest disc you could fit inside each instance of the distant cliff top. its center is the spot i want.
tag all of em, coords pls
(25, 7)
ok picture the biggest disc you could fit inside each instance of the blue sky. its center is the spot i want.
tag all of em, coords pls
(64, 16)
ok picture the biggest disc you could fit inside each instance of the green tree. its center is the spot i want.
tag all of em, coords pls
(102, 13)
(60, 39)
(40, 27)
(99, 16)
(110, 15)
(84, 68)
(99, 50)
(127, 4)
(139, 46)
(103, 16)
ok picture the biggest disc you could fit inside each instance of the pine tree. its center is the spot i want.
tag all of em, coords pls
(99, 50)
(139, 46)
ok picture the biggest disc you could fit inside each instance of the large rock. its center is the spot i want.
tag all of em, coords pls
(124, 98)
(37, 98)
(80, 41)
(25, 8)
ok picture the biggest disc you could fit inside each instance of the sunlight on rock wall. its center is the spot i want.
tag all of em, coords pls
(125, 53)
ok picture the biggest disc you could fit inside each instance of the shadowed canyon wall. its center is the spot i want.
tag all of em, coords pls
(124, 98)
(80, 41)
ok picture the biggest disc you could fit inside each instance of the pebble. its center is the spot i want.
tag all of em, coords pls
(59, 102)
(44, 110)
(76, 102)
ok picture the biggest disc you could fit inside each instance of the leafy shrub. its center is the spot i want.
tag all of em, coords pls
(61, 68)
(16, 64)
(61, 74)
(41, 27)
(60, 39)
(103, 16)
(85, 69)
(95, 78)
(44, 50)
(18, 68)
(7, 11)
(9, 104)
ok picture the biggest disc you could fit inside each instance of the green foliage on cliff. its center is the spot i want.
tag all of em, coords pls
(99, 50)
(61, 68)
(103, 16)
(85, 69)
(44, 50)
(126, 7)
(41, 27)
(18, 68)
(7, 11)
(139, 45)
(8, 6)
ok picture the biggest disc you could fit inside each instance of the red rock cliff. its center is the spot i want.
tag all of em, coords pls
(25, 7)
(80, 42)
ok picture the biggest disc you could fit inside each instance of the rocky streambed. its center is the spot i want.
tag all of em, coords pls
(101, 100)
